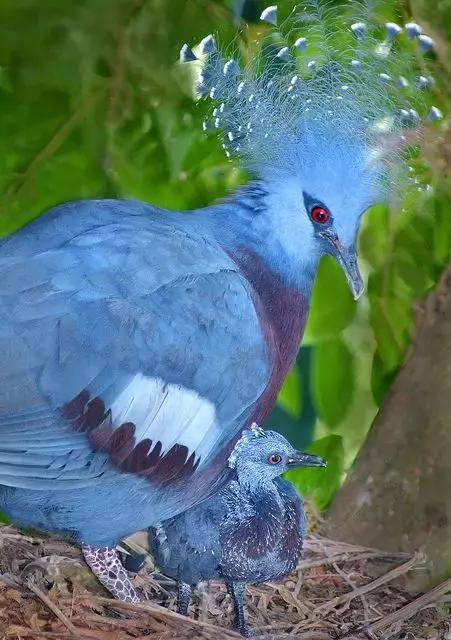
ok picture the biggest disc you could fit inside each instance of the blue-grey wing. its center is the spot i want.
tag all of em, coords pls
(188, 546)
(128, 341)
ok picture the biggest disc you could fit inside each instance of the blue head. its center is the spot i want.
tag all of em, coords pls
(321, 122)
(261, 456)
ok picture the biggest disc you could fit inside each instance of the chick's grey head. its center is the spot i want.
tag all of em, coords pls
(320, 116)
(261, 456)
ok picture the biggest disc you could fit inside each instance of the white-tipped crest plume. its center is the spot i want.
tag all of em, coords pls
(320, 95)
(248, 435)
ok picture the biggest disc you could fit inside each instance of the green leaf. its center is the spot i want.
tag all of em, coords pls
(321, 485)
(290, 398)
(381, 379)
(415, 238)
(391, 321)
(439, 210)
(332, 306)
(414, 274)
(373, 237)
(332, 380)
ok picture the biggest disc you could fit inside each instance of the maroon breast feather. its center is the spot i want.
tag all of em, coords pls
(282, 312)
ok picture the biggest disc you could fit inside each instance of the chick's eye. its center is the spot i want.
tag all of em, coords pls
(274, 458)
(320, 215)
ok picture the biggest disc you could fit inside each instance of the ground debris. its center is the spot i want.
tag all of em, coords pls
(340, 591)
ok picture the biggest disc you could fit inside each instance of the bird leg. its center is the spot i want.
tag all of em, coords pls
(184, 596)
(237, 591)
(108, 569)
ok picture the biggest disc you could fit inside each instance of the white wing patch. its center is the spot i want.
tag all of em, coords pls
(169, 413)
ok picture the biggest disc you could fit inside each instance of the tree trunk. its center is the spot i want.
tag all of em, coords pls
(398, 492)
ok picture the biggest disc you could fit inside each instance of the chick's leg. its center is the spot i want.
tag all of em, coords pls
(184, 596)
(108, 569)
(237, 591)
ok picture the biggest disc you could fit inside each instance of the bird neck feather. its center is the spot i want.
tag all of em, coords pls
(258, 220)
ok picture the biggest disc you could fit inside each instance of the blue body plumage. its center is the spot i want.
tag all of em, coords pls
(250, 532)
(137, 344)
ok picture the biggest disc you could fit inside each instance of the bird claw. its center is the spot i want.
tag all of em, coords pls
(107, 567)
(244, 631)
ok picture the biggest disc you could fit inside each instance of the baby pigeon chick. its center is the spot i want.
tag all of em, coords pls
(251, 531)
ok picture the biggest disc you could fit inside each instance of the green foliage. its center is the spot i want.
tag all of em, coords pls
(320, 485)
(94, 103)
(294, 413)
(332, 380)
(290, 396)
(381, 378)
(417, 252)
(333, 307)
(374, 236)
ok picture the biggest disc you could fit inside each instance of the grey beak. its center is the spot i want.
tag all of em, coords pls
(300, 459)
(348, 262)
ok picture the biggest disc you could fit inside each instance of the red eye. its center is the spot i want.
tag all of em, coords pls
(319, 215)
(275, 458)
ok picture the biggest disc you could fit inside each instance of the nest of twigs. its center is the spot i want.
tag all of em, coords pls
(339, 591)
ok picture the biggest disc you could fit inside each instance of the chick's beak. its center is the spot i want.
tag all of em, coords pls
(347, 258)
(300, 459)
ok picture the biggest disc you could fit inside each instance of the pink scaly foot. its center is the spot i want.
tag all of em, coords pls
(105, 564)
